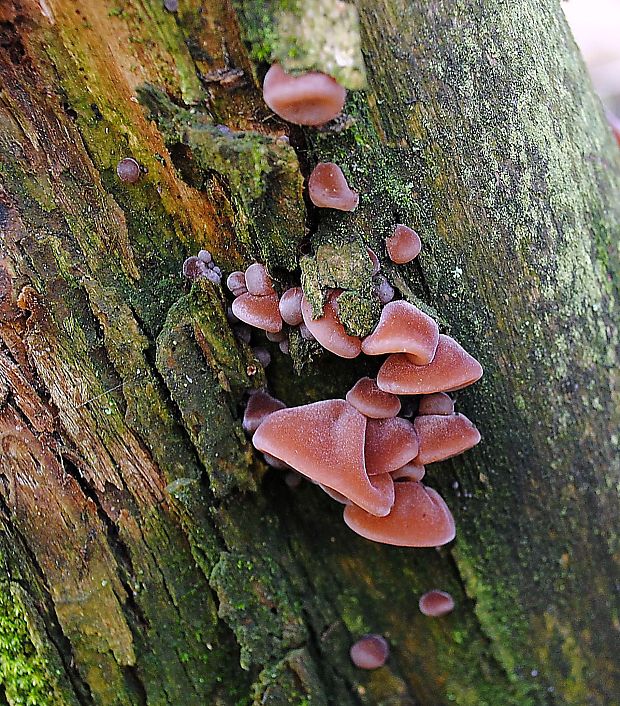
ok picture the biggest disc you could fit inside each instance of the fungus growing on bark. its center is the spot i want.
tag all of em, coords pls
(371, 401)
(437, 403)
(436, 603)
(258, 281)
(276, 463)
(419, 518)
(290, 306)
(128, 170)
(383, 290)
(236, 283)
(202, 266)
(312, 98)
(403, 328)
(403, 245)
(451, 369)
(328, 330)
(376, 265)
(390, 444)
(328, 188)
(410, 471)
(444, 436)
(259, 406)
(370, 652)
(325, 442)
(262, 355)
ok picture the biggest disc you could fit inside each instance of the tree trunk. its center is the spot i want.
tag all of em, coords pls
(148, 557)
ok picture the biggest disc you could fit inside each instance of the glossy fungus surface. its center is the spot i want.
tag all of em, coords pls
(370, 652)
(328, 188)
(328, 330)
(451, 369)
(436, 603)
(437, 403)
(325, 442)
(403, 245)
(390, 444)
(312, 98)
(259, 406)
(258, 281)
(404, 328)
(419, 518)
(290, 306)
(444, 436)
(258, 311)
(128, 170)
(371, 401)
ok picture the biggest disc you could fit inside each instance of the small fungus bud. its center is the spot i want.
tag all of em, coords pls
(236, 283)
(205, 256)
(371, 401)
(193, 268)
(328, 330)
(383, 290)
(404, 328)
(376, 265)
(410, 471)
(437, 403)
(370, 652)
(328, 188)
(403, 245)
(436, 603)
(128, 170)
(444, 436)
(258, 281)
(260, 405)
(290, 306)
(313, 98)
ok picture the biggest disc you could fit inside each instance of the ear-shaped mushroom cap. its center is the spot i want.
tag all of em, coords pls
(236, 283)
(328, 330)
(376, 265)
(260, 312)
(325, 442)
(419, 518)
(403, 328)
(442, 436)
(290, 306)
(451, 369)
(370, 652)
(371, 401)
(436, 603)
(390, 444)
(258, 281)
(403, 245)
(328, 188)
(410, 471)
(437, 403)
(260, 405)
(310, 99)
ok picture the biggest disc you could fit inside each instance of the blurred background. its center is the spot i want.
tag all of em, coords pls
(596, 27)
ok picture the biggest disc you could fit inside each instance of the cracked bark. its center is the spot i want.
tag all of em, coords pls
(147, 557)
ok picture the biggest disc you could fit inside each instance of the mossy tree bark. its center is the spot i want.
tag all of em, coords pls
(147, 556)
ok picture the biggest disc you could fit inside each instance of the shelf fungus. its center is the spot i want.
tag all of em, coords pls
(312, 98)
(256, 301)
(403, 245)
(436, 603)
(443, 436)
(328, 188)
(370, 652)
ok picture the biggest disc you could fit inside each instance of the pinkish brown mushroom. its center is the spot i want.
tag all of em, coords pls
(258, 281)
(410, 471)
(259, 406)
(451, 369)
(442, 436)
(419, 518)
(276, 463)
(334, 494)
(403, 245)
(390, 444)
(290, 306)
(261, 312)
(313, 98)
(328, 330)
(370, 652)
(236, 283)
(325, 442)
(436, 603)
(371, 401)
(437, 403)
(403, 328)
(328, 188)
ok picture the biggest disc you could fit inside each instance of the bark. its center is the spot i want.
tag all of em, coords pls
(148, 557)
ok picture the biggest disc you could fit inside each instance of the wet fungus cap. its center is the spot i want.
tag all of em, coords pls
(128, 170)
(444, 436)
(451, 369)
(371, 401)
(313, 98)
(436, 603)
(370, 652)
(325, 442)
(328, 188)
(419, 518)
(403, 245)
(236, 283)
(258, 311)
(290, 306)
(258, 281)
(328, 330)
(403, 328)
(390, 444)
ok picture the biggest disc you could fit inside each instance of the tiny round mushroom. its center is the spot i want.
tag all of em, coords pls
(242, 332)
(128, 170)
(194, 268)
(383, 289)
(205, 256)
(171, 5)
(436, 603)
(403, 245)
(370, 652)
(328, 188)
(284, 347)
(371, 401)
(312, 98)
(305, 332)
(290, 306)
(437, 403)
(236, 283)
(293, 479)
